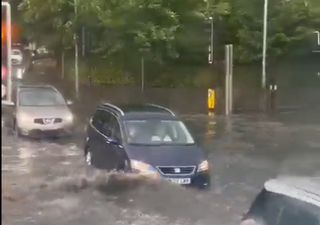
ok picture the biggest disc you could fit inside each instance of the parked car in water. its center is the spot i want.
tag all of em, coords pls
(41, 111)
(286, 201)
(18, 72)
(146, 139)
(16, 56)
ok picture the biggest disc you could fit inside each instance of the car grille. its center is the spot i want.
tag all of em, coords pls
(176, 170)
(41, 120)
(57, 120)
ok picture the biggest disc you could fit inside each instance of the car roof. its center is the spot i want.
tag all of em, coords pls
(306, 189)
(140, 110)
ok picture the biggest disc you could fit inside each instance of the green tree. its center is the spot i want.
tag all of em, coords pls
(173, 31)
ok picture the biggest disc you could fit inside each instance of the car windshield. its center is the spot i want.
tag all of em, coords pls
(40, 97)
(157, 132)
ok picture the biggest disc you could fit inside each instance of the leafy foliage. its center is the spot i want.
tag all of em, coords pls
(168, 31)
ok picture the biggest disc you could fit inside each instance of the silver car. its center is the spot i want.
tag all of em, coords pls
(16, 56)
(42, 111)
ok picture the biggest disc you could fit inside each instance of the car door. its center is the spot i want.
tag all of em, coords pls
(105, 142)
(93, 136)
(115, 145)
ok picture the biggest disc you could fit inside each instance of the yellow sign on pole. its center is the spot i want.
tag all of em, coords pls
(211, 99)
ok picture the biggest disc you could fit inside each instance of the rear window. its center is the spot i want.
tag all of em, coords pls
(276, 209)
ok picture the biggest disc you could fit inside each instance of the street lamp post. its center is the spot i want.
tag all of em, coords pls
(8, 42)
(211, 42)
(143, 50)
(76, 55)
(264, 51)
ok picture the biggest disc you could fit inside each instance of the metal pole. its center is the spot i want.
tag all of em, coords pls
(76, 55)
(265, 29)
(62, 65)
(230, 78)
(76, 68)
(227, 79)
(83, 48)
(211, 39)
(142, 74)
(9, 38)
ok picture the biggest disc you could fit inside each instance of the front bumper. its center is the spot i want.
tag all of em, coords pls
(30, 128)
(199, 180)
(38, 133)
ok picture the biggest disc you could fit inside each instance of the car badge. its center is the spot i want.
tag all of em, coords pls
(47, 121)
(177, 170)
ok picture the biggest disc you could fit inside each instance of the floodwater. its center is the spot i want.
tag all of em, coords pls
(46, 182)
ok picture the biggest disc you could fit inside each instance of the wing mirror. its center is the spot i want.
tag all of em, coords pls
(69, 102)
(114, 141)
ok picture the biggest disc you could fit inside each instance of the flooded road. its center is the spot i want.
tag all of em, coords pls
(47, 181)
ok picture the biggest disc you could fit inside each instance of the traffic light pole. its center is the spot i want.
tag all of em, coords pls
(8, 42)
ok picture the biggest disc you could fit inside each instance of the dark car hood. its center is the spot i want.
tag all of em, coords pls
(184, 155)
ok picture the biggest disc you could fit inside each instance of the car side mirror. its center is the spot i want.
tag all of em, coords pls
(69, 102)
(114, 141)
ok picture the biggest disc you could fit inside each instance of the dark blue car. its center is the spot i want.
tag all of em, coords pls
(146, 139)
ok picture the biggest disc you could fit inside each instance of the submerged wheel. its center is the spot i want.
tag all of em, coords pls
(124, 166)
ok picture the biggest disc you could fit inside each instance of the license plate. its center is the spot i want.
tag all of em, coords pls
(180, 180)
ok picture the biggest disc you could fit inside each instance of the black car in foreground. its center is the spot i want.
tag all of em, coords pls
(286, 201)
(146, 139)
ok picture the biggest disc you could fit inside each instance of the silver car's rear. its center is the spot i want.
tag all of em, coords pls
(42, 111)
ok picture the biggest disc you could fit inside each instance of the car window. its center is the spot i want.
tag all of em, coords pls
(267, 207)
(97, 119)
(106, 128)
(296, 212)
(115, 128)
(155, 132)
(40, 97)
(101, 121)
(293, 216)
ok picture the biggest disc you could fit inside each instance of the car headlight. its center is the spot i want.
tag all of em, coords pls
(204, 166)
(69, 118)
(22, 117)
(143, 168)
